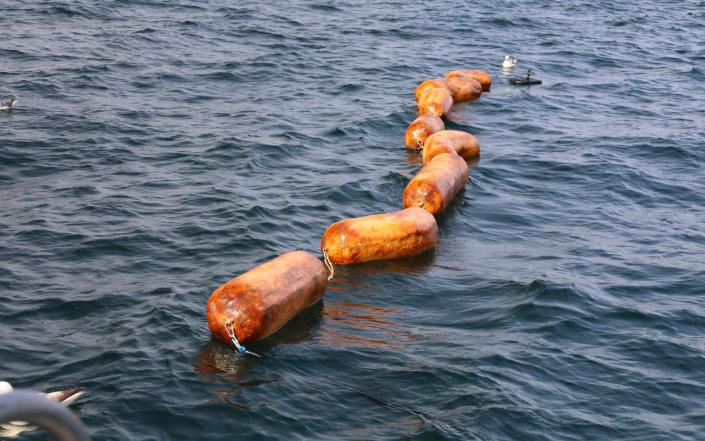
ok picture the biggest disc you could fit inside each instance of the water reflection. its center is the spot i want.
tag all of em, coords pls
(360, 324)
(216, 362)
(413, 157)
(354, 276)
(460, 114)
(353, 323)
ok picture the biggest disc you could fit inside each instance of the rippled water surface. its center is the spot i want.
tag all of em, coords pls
(160, 148)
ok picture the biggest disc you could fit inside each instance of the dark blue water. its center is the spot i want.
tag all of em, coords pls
(160, 148)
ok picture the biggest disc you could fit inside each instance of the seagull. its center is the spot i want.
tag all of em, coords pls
(509, 62)
(14, 428)
(9, 104)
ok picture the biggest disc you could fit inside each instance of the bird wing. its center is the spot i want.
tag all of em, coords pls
(65, 397)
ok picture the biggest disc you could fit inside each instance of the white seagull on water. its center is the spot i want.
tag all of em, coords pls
(9, 104)
(509, 62)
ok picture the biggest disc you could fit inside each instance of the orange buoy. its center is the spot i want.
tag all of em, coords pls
(479, 75)
(450, 141)
(435, 186)
(427, 85)
(395, 235)
(436, 101)
(464, 88)
(420, 129)
(259, 302)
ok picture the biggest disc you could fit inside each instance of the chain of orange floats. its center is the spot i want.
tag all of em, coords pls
(260, 301)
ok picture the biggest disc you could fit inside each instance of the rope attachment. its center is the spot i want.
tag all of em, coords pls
(328, 263)
(230, 329)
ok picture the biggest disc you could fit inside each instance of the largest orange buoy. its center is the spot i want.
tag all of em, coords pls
(259, 302)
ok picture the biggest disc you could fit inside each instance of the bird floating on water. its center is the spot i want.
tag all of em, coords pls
(509, 62)
(525, 81)
(9, 104)
(14, 428)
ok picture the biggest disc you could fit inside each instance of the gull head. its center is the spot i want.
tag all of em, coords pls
(5, 387)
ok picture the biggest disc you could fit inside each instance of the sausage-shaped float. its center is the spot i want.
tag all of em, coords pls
(395, 235)
(428, 85)
(437, 183)
(479, 75)
(259, 302)
(450, 141)
(464, 88)
(420, 129)
(436, 102)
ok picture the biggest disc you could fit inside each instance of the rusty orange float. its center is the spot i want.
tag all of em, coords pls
(420, 129)
(464, 88)
(434, 187)
(479, 75)
(450, 141)
(260, 301)
(427, 85)
(436, 102)
(395, 235)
